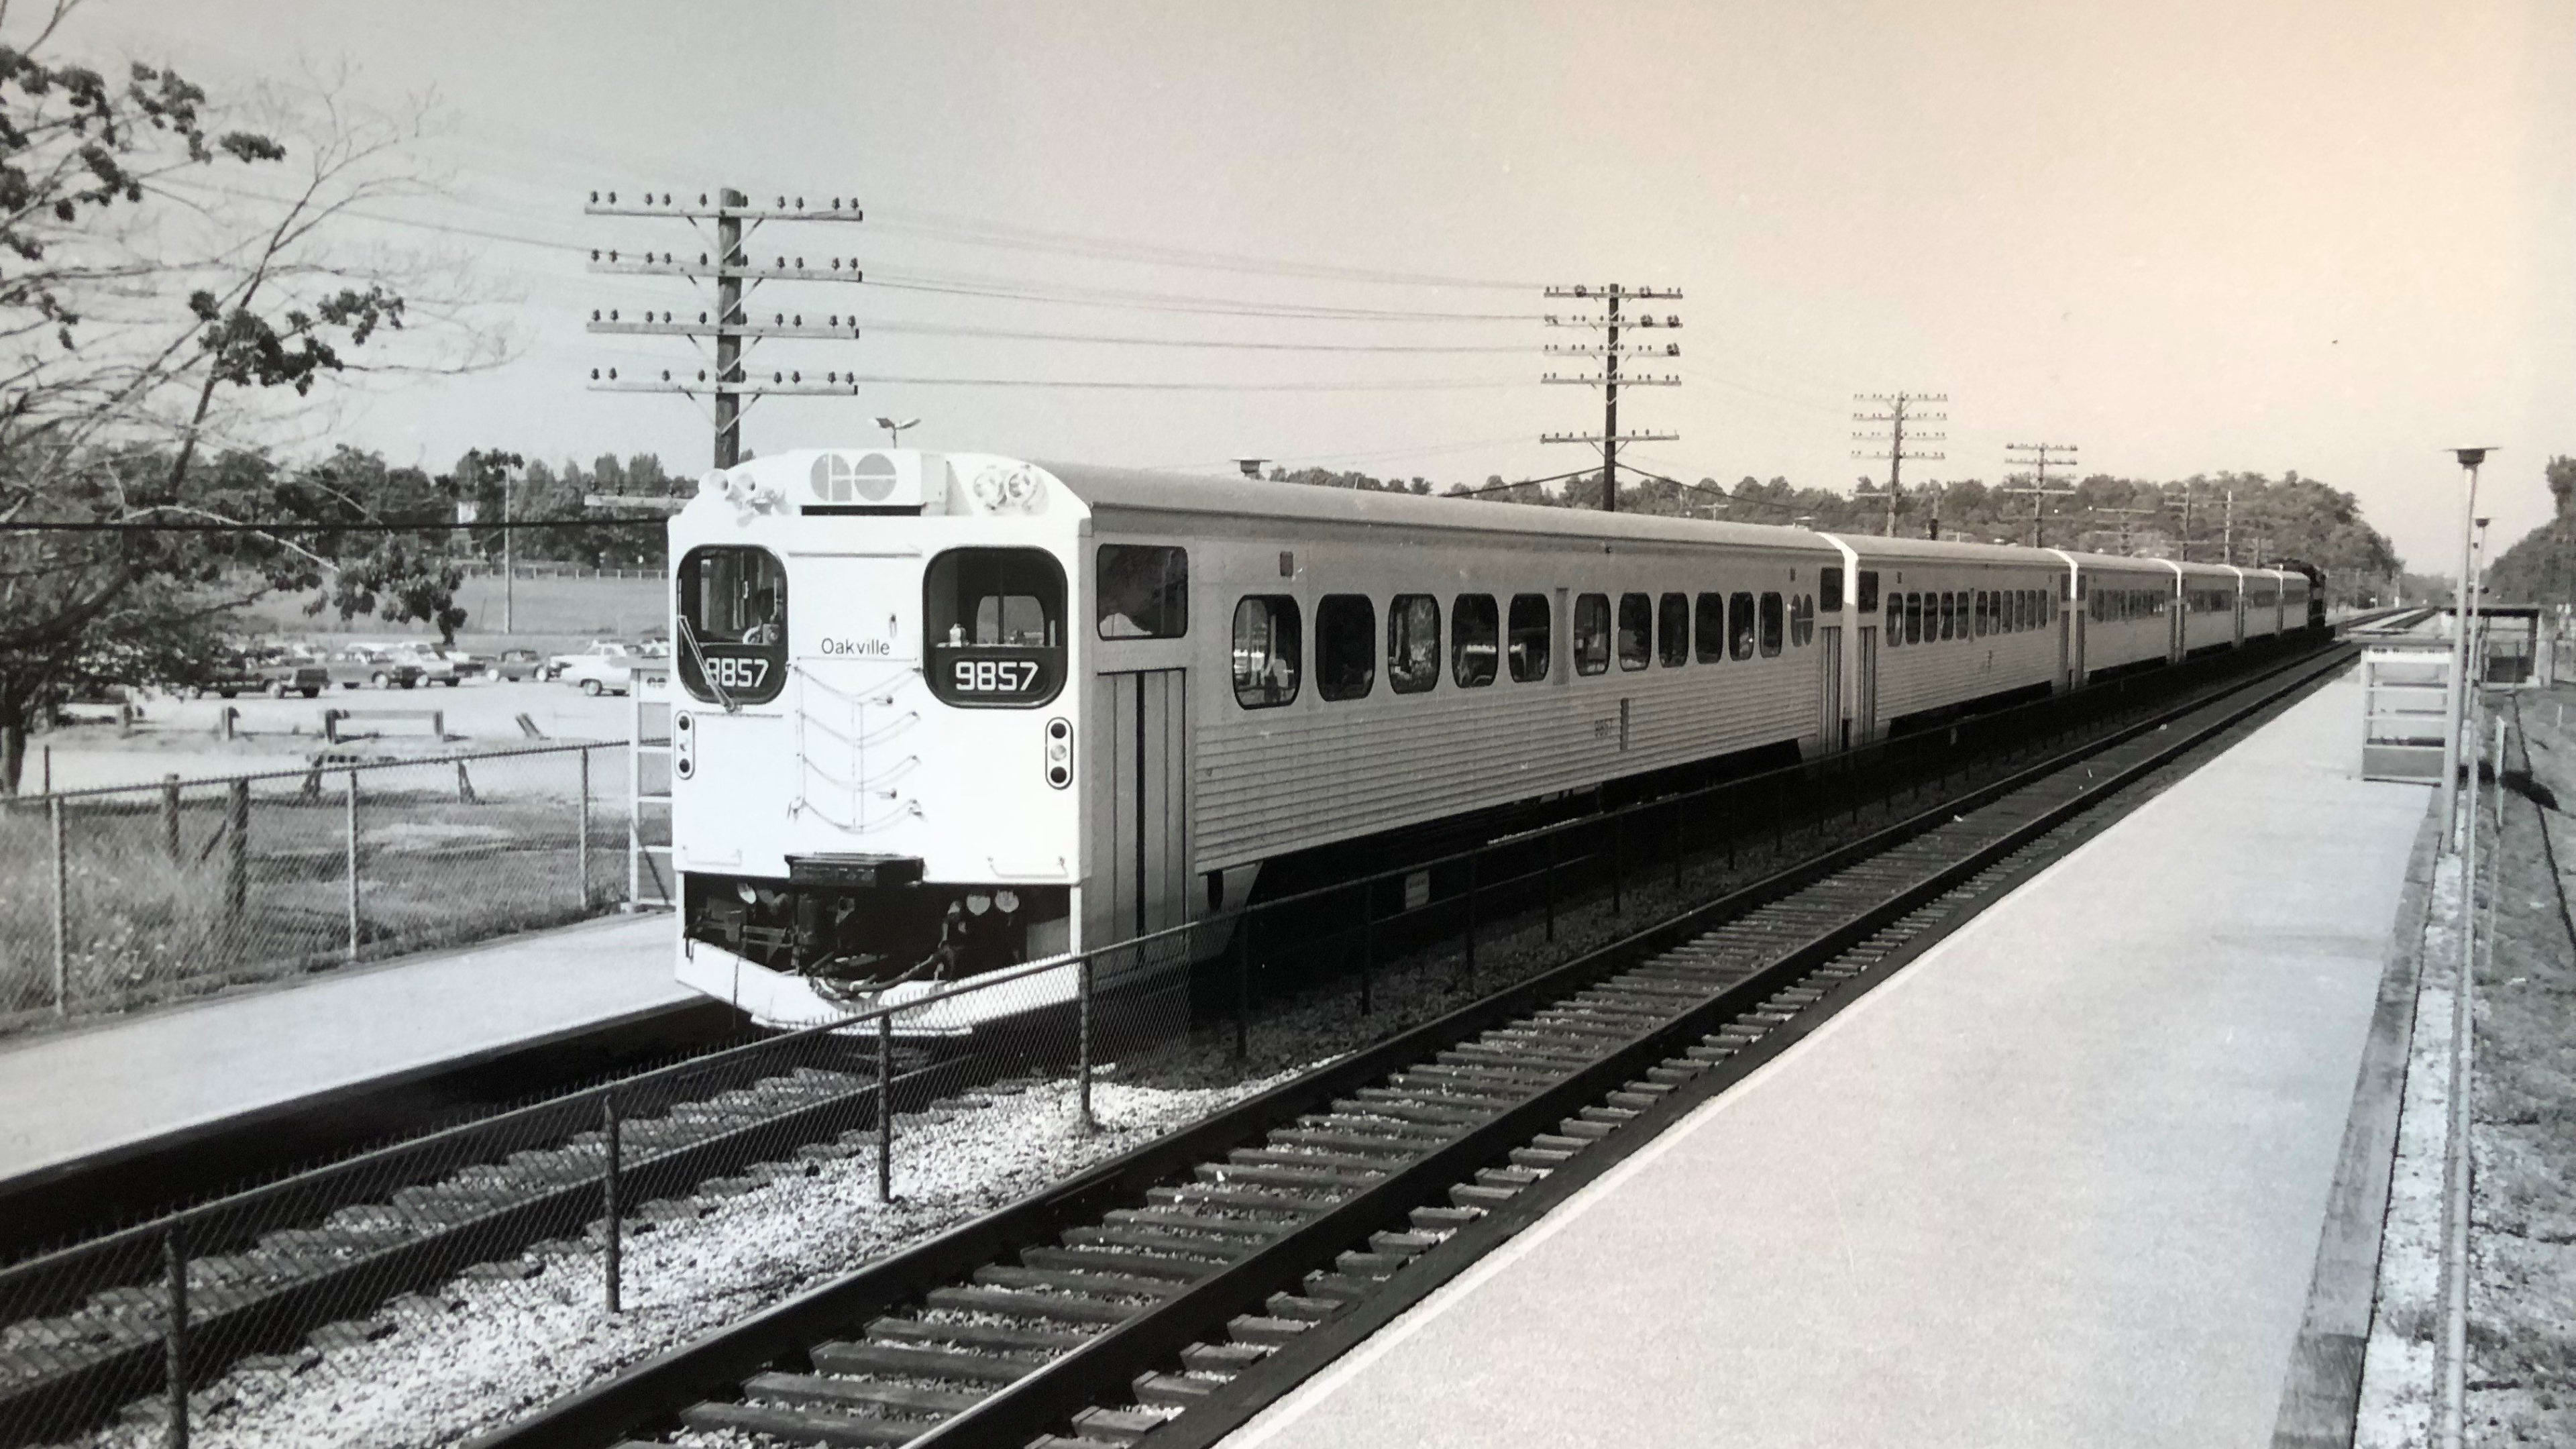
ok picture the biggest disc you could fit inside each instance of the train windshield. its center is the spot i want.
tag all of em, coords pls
(733, 625)
(994, 625)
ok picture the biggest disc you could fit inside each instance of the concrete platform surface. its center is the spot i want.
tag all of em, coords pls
(104, 1088)
(2058, 1182)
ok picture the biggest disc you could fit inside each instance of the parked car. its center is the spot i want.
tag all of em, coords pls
(517, 664)
(365, 664)
(273, 672)
(439, 664)
(596, 649)
(596, 674)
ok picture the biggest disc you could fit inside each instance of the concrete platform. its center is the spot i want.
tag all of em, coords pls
(102, 1091)
(2059, 1182)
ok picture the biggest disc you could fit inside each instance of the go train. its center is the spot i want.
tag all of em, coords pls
(902, 757)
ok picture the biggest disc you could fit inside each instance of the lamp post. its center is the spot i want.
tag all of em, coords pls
(894, 430)
(2456, 714)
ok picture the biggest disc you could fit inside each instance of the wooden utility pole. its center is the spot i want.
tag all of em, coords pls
(1895, 411)
(2039, 458)
(1609, 380)
(730, 326)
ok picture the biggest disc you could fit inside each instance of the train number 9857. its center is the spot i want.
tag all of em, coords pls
(995, 676)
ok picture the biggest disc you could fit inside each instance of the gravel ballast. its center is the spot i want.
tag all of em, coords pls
(500, 1340)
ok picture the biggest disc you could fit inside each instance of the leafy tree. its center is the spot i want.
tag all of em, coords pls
(175, 289)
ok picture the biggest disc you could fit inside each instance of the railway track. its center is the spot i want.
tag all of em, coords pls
(1174, 1291)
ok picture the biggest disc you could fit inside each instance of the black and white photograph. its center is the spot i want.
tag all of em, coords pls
(1068, 724)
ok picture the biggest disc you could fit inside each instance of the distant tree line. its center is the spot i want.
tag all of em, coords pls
(2540, 567)
(2285, 518)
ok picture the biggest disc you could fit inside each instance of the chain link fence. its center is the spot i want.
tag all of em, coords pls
(734, 1179)
(135, 895)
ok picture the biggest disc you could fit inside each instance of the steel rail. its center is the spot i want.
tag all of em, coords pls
(1043, 1399)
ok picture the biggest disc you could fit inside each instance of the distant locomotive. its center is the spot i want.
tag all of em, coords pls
(938, 714)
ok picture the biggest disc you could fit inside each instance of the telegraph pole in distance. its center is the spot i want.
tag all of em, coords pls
(2125, 515)
(1609, 381)
(730, 267)
(2039, 458)
(1895, 411)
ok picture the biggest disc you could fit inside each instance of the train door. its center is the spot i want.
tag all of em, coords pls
(1865, 685)
(1148, 871)
(1833, 732)
(2070, 638)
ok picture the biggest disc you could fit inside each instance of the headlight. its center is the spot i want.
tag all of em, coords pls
(978, 904)
(1009, 901)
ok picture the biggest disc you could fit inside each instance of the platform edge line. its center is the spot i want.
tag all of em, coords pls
(2321, 1384)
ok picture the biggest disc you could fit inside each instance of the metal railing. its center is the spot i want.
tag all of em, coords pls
(136, 894)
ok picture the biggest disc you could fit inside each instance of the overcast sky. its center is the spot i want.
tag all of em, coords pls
(2332, 237)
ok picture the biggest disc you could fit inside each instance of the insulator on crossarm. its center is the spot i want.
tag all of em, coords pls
(612, 198)
(594, 374)
(594, 314)
(800, 263)
(666, 374)
(612, 374)
(594, 198)
(795, 377)
(800, 319)
(800, 203)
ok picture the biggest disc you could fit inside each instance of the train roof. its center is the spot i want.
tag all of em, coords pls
(1137, 489)
(1934, 550)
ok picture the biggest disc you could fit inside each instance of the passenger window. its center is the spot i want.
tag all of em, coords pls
(1708, 628)
(1475, 639)
(1144, 592)
(1530, 638)
(1672, 630)
(1412, 643)
(1345, 646)
(1267, 645)
(1895, 633)
(1636, 631)
(1829, 590)
(1591, 633)
(1739, 625)
(1985, 610)
(1802, 621)
(1949, 614)
(1914, 619)
(1771, 621)
(1868, 599)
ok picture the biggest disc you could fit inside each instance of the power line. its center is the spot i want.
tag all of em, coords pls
(443, 525)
